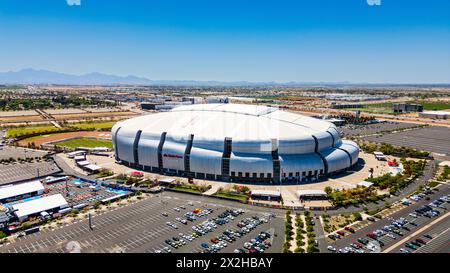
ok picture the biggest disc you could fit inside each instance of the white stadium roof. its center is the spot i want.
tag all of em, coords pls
(238, 121)
(20, 189)
(38, 205)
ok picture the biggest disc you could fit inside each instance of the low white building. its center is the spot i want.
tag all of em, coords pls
(14, 191)
(48, 203)
(266, 194)
(379, 155)
(301, 194)
(52, 179)
(365, 184)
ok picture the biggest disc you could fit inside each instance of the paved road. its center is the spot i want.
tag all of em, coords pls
(320, 235)
(420, 221)
(69, 170)
(139, 227)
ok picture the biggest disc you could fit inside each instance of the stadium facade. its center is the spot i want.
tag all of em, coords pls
(233, 142)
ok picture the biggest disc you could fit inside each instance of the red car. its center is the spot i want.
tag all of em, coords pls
(421, 241)
(371, 235)
(340, 232)
(349, 229)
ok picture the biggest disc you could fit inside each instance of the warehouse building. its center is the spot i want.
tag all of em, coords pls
(233, 142)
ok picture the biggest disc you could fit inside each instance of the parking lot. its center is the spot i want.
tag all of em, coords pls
(440, 239)
(142, 227)
(370, 129)
(7, 152)
(203, 235)
(24, 171)
(433, 139)
(399, 231)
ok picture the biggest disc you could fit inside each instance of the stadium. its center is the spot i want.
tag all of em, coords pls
(233, 142)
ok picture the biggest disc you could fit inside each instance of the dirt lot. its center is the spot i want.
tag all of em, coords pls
(60, 136)
(93, 115)
(16, 119)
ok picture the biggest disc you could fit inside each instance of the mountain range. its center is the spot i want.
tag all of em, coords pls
(34, 76)
(42, 77)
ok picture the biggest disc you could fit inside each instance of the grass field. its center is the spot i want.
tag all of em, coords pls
(93, 125)
(431, 105)
(45, 129)
(386, 108)
(84, 142)
(26, 130)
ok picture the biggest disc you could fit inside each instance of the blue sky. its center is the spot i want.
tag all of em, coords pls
(399, 41)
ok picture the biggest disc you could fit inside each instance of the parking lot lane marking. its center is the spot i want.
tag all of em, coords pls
(417, 232)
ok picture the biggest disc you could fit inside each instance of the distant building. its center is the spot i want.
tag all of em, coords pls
(165, 105)
(192, 100)
(346, 106)
(435, 114)
(216, 99)
(149, 105)
(406, 108)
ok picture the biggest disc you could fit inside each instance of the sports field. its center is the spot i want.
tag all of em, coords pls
(85, 142)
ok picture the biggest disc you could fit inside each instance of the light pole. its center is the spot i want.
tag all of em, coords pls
(90, 221)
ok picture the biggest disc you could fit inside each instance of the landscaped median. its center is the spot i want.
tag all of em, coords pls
(382, 187)
(232, 196)
(191, 188)
(237, 193)
(188, 188)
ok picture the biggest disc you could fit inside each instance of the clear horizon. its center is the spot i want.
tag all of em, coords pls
(397, 42)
